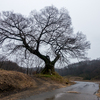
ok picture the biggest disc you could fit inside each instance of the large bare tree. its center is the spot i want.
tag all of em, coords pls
(49, 29)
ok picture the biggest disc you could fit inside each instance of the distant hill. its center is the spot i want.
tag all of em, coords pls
(9, 65)
(12, 66)
(85, 69)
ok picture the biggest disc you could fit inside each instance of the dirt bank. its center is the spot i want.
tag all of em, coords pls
(43, 85)
(15, 85)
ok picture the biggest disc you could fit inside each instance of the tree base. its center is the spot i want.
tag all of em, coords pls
(49, 71)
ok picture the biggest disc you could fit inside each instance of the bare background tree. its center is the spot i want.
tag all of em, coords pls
(2, 59)
(47, 34)
(29, 62)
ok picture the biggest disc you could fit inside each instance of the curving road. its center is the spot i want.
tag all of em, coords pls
(79, 91)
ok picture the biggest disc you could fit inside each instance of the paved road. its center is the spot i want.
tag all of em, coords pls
(79, 91)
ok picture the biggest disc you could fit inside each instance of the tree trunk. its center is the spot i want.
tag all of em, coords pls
(49, 65)
(49, 68)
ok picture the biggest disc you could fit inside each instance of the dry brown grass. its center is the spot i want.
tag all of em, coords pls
(98, 93)
(73, 92)
(74, 78)
(11, 80)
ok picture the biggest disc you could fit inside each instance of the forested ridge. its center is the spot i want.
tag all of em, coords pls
(85, 69)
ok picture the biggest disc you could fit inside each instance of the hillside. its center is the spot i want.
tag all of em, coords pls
(86, 69)
(14, 81)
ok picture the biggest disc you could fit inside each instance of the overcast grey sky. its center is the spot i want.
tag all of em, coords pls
(85, 16)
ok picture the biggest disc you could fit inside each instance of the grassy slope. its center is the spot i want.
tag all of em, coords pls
(12, 80)
(55, 77)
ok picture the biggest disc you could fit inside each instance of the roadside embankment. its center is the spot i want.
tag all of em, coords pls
(15, 85)
(14, 81)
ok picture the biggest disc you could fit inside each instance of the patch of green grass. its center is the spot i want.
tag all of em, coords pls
(55, 77)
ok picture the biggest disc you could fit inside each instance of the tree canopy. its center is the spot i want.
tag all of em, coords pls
(49, 28)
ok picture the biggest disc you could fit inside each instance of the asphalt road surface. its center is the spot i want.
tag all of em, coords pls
(79, 91)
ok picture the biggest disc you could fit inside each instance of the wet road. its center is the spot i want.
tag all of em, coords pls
(79, 91)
